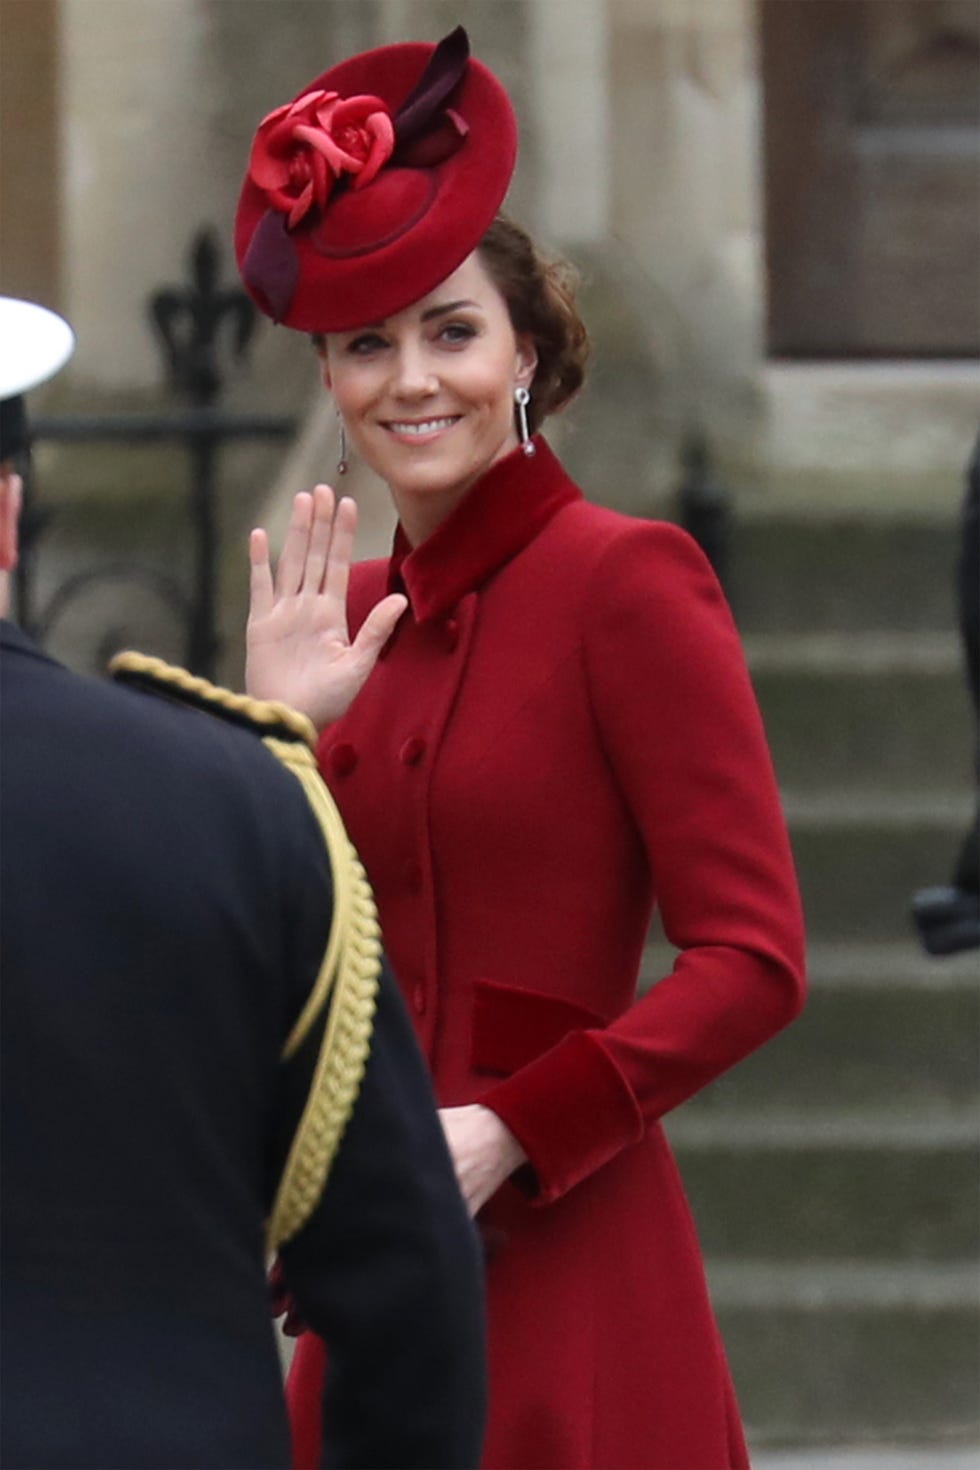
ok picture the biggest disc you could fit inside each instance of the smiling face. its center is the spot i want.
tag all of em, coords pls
(427, 397)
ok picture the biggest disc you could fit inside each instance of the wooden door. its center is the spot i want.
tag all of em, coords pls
(872, 171)
(30, 151)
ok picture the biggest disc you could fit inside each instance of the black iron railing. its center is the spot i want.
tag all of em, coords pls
(195, 325)
(704, 506)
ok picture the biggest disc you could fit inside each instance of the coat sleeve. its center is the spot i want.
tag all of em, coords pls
(388, 1270)
(678, 721)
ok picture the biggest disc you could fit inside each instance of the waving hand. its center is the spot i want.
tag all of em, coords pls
(298, 649)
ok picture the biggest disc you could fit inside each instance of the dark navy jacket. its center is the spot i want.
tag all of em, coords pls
(165, 901)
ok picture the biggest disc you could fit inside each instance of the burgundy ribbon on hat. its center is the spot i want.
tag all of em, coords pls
(427, 132)
(271, 264)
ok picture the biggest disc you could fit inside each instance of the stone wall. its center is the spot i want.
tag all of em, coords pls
(640, 155)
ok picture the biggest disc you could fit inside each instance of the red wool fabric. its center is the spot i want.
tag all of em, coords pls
(591, 745)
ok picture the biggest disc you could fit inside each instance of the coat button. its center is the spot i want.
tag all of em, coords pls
(342, 758)
(413, 750)
(452, 633)
(418, 999)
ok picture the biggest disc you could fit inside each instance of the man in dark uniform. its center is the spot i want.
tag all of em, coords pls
(197, 1031)
(947, 916)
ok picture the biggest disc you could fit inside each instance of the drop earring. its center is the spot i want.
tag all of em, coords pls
(342, 448)
(521, 399)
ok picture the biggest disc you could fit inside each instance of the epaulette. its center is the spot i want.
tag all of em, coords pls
(262, 716)
(346, 987)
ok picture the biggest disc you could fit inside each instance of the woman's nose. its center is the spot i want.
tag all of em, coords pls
(414, 375)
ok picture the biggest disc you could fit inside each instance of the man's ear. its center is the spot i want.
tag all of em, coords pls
(10, 498)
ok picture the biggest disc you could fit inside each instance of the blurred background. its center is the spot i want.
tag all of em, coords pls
(775, 207)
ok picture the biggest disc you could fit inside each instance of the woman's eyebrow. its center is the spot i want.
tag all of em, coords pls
(444, 310)
(432, 311)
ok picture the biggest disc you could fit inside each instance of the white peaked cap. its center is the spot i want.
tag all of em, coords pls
(34, 344)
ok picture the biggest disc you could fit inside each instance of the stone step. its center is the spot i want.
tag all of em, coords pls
(940, 1455)
(848, 1351)
(770, 1184)
(790, 574)
(881, 1022)
(872, 710)
(861, 856)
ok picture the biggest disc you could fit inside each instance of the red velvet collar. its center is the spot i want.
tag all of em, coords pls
(503, 512)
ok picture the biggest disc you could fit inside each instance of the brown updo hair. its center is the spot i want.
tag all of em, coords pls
(540, 297)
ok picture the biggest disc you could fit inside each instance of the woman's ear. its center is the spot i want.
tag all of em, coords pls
(321, 353)
(527, 361)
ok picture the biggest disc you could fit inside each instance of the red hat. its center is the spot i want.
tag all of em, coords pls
(373, 185)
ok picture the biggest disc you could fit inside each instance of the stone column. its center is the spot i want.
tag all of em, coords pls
(687, 188)
(137, 171)
(568, 101)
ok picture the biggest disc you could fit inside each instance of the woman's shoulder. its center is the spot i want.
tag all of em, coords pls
(632, 574)
(600, 536)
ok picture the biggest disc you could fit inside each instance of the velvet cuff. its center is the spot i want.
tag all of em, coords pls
(571, 1110)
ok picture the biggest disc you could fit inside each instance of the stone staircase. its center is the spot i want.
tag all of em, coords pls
(834, 1175)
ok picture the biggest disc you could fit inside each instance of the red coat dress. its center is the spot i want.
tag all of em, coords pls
(560, 734)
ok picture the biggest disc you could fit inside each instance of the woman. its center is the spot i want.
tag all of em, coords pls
(559, 732)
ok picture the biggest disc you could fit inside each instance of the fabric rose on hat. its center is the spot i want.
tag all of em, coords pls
(301, 150)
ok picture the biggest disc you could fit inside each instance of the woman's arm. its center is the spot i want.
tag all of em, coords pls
(680, 728)
(297, 645)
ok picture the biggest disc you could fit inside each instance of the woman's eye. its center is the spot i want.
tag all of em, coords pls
(456, 333)
(367, 342)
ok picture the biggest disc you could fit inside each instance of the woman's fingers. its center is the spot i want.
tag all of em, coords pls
(341, 552)
(316, 560)
(289, 573)
(321, 532)
(378, 627)
(261, 596)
